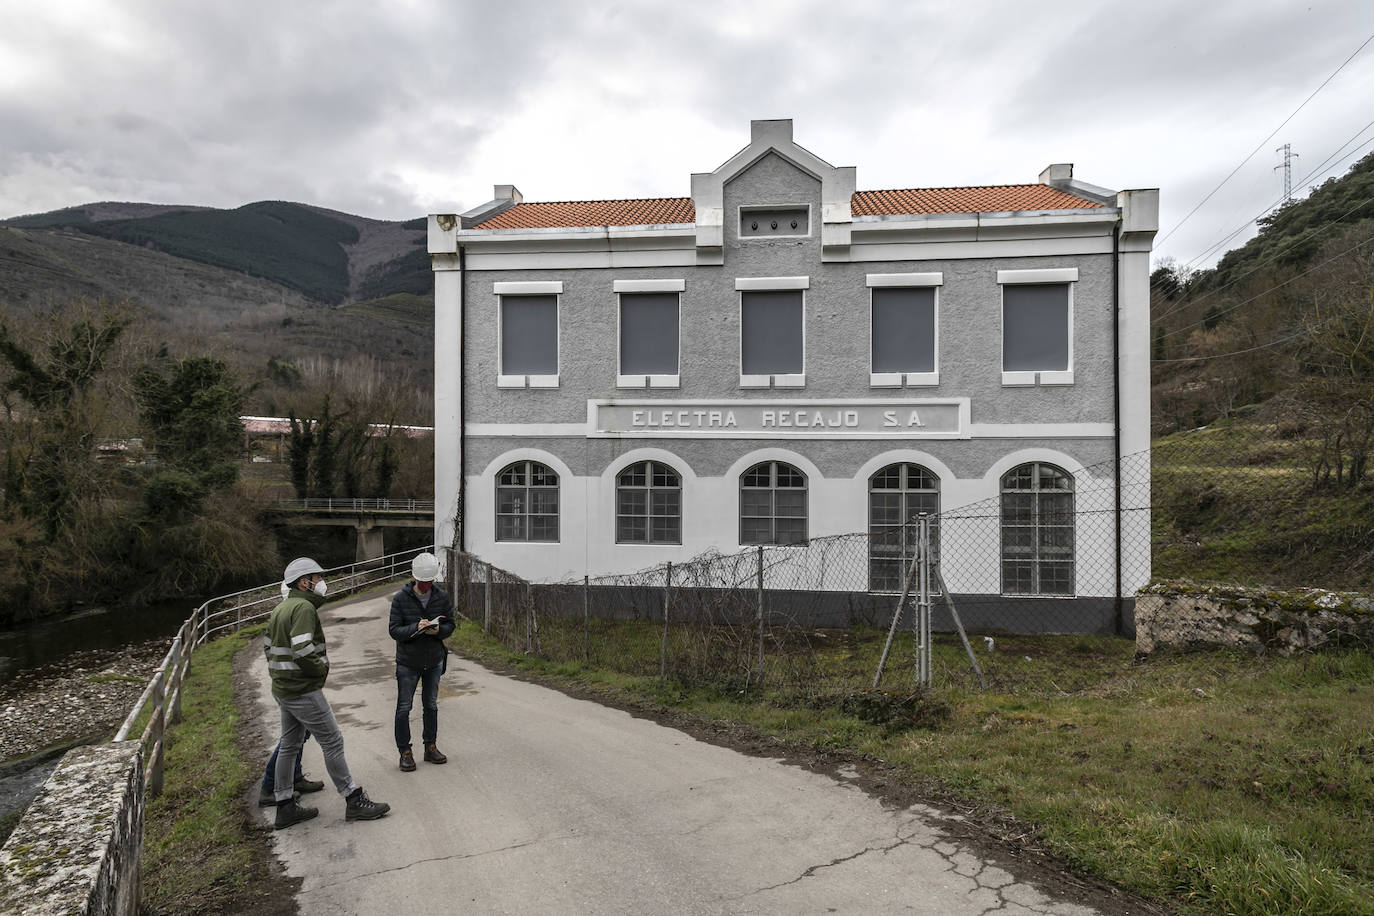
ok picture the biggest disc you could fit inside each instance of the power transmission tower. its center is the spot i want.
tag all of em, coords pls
(1288, 157)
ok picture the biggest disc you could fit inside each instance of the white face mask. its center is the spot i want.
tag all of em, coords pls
(321, 587)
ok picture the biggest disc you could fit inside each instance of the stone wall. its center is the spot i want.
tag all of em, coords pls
(77, 848)
(1181, 616)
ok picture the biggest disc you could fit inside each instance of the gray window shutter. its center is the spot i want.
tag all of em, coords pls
(771, 333)
(529, 335)
(903, 329)
(648, 333)
(1035, 327)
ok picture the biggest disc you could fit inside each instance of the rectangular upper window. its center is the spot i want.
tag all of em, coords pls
(648, 340)
(529, 341)
(904, 329)
(772, 339)
(1037, 327)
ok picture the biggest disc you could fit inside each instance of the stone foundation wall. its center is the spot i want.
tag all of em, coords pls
(1181, 616)
(77, 848)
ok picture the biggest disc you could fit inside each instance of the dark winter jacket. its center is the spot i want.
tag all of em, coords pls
(413, 648)
(294, 644)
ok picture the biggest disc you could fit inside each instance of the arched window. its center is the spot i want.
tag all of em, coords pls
(527, 503)
(648, 504)
(1037, 530)
(772, 504)
(897, 495)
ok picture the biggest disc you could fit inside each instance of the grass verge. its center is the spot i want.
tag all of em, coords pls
(1218, 782)
(201, 851)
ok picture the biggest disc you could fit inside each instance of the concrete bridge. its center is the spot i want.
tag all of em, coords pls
(367, 517)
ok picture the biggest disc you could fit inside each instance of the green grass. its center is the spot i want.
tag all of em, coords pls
(1220, 782)
(198, 842)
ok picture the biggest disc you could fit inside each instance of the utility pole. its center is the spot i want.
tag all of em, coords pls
(1288, 157)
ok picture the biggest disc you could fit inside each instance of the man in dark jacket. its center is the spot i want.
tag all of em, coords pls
(421, 618)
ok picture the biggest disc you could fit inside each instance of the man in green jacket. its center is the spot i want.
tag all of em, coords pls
(298, 665)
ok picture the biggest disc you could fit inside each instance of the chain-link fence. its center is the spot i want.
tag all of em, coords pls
(1053, 553)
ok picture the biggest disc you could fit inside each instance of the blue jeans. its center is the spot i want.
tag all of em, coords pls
(268, 775)
(406, 679)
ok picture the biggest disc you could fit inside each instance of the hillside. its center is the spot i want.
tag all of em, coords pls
(324, 255)
(269, 280)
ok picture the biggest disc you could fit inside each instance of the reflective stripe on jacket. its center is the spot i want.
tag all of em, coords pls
(294, 646)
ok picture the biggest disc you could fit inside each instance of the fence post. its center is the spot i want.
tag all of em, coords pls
(663, 649)
(486, 610)
(586, 619)
(922, 620)
(760, 615)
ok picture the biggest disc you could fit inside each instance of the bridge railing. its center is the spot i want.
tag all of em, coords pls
(357, 505)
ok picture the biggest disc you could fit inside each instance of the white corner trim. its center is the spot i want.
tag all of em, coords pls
(927, 279)
(527, 287)
(767, 283)
(648, 286)
(1046, 275)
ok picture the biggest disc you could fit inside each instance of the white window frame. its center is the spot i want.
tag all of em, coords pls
(648, 286)
(513, 288)
(1065, 275)
(910, 379)
(771, 284)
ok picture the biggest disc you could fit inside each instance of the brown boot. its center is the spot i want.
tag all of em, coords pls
(432, 754)
(407, 761)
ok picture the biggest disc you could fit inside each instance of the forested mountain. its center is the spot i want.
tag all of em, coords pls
(267, 281)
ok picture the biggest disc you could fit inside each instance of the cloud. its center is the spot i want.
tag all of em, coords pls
(394, 110)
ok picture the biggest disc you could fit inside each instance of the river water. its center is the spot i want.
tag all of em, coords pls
(50, 639)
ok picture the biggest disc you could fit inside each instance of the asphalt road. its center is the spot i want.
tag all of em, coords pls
(554, 805)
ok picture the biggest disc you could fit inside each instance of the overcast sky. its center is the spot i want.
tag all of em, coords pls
(400, 108)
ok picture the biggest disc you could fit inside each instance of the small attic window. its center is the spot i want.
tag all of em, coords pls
(774, 222)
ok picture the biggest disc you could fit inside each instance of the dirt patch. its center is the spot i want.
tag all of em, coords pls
(988, 832)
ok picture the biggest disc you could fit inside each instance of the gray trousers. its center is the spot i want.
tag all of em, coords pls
(310, 711)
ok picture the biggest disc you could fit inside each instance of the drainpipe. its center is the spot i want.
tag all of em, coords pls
(1119, 616)
(463, 400)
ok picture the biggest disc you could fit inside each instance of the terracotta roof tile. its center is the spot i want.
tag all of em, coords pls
(651, 211)
(654, 211)
(986, 199)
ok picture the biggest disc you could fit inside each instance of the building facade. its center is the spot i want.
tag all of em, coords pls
(780, 356)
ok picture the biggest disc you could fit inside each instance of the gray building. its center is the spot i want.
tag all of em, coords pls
(780, 356)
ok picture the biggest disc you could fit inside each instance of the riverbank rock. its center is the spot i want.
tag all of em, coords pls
(1183, 616)
(85, 696)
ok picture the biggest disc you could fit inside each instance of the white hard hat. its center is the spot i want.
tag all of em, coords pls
(301, 566)
(424, 567)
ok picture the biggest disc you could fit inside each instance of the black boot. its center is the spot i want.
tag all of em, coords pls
(292, 812)
(362, 808)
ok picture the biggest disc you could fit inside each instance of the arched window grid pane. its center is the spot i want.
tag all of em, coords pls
(773, 505)
(648, 504)
(898, 494)
(1037, 531)
(527, 503)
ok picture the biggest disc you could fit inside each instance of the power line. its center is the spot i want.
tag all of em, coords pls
(1264, 141)
(1316, 171)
